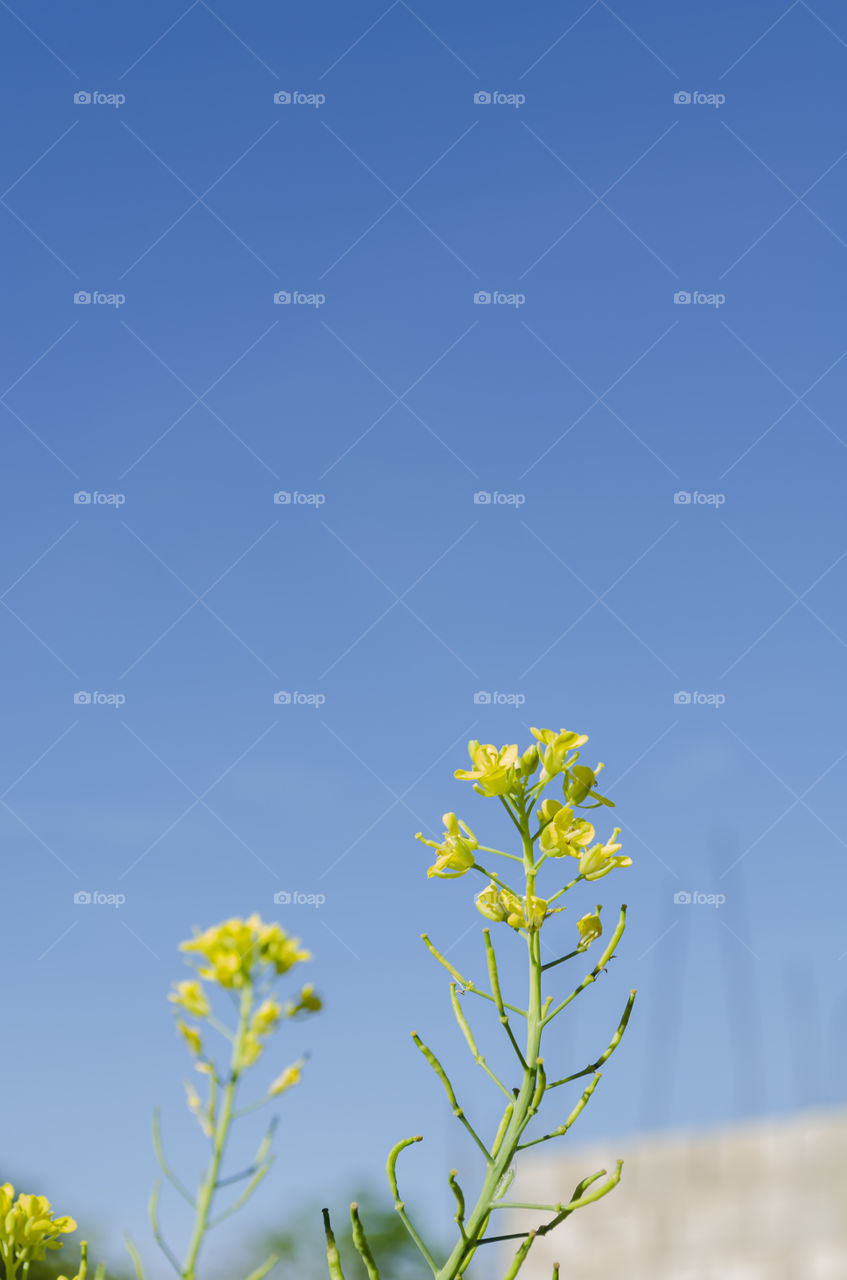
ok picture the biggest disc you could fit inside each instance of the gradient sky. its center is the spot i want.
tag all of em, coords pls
(591, 595)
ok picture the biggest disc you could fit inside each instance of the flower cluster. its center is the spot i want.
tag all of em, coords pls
(528, 912)
(28, 1229)
(235, 949)
(518, 780)
(240, 955)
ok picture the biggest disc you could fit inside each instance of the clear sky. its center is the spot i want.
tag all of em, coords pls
(586, 166)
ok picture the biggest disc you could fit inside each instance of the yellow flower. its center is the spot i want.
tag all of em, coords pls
(519, 913)
(493, 771)
(234, 949)
(277, 948)
(563, 834)
(535, 912)
(251, 1047)
(558, 745)
(192, 1037)
(195, 1106)
(190, 995)
(456, 850)
(266, 1017)
(580, 782)
(309, 1002)
(598, 861)
(28, 1228)
(589, 928)
(289, 1077)
(489, 904)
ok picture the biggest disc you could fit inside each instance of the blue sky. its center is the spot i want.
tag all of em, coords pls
(584, 396)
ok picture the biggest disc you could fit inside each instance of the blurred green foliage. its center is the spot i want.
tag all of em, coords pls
(302, 1246)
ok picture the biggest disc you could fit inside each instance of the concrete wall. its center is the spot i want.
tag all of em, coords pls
(765, 1200)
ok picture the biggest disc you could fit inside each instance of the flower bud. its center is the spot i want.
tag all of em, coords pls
(489, 904)
(589, 928)
(289, 1077)
(191, 1036)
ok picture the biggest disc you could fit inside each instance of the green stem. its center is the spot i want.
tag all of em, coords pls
(400, 1205)
(501, 884)
(569, 885)
(468, 1034)
(598, 968)
(460, 1202)
(551, 964)
(263, 1269)
(360, 1240)
(521, 1112)
(458, 1111)
(153, 1210)
(513, 857)
(577, 1111)
(162, 1161)
(208, 1186)
(138, 1265)
(494, 979)
(333, 1257)
(607, 1052)
(465, 983)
